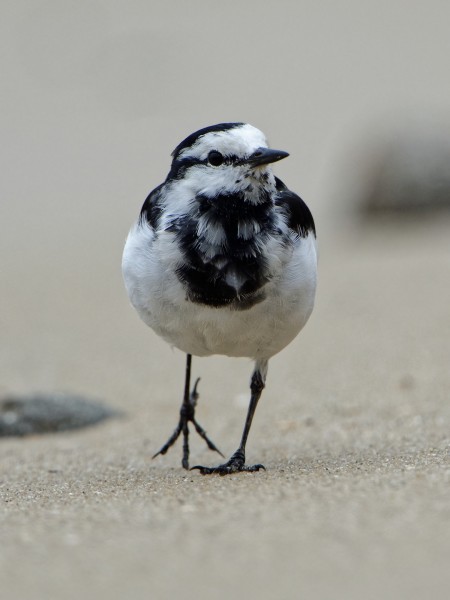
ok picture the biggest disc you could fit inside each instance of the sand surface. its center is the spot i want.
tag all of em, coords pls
(353, 426)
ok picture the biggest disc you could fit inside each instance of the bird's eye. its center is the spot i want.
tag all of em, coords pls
(215, 158)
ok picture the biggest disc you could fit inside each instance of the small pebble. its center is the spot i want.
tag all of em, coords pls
(49, 413)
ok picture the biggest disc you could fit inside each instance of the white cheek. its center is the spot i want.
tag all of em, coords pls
(201, 180)
(213, 181)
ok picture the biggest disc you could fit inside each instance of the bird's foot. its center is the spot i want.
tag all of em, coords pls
(236, 464)
(187, 413)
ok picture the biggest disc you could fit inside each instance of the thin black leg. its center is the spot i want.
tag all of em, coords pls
(237, 461)
(187, 413)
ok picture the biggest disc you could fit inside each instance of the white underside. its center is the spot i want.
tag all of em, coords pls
(259, 332)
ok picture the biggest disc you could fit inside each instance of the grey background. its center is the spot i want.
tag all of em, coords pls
(353, 425)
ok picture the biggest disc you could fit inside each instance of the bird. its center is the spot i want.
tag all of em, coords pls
(222, 260)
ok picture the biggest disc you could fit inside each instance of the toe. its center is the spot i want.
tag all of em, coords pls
(228, 469)
(203, 470)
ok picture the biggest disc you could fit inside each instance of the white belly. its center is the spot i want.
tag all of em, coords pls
(258, 332)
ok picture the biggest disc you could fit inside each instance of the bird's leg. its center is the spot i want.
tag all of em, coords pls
(237, 461)
(187, 413)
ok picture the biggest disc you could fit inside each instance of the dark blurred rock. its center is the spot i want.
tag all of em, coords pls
(49, 413)
(412, 173)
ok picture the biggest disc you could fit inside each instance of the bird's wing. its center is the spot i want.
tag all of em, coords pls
(151, 209)
(299, 217)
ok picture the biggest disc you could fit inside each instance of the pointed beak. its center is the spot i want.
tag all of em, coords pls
(264, 156)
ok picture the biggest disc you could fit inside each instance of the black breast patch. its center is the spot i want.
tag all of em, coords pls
(230, 271)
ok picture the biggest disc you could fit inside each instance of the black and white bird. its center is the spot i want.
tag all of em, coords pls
(222, 260)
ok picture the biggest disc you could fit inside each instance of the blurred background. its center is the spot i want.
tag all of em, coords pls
(94, 97)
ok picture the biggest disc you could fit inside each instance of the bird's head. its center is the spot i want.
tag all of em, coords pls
(224, 158)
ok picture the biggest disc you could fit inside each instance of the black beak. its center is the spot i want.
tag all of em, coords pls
(264, 156)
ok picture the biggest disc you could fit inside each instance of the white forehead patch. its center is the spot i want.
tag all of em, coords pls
(239, 141)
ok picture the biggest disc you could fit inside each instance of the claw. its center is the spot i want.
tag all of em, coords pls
(225, 470)
(234, 465)
(173, 438)
(194, 396)
(202, 433)
(187, 413)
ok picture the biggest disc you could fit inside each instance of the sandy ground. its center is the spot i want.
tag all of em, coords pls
(353, 426)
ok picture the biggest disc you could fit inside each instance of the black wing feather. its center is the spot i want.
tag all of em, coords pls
(299, 216)
(151, 209)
